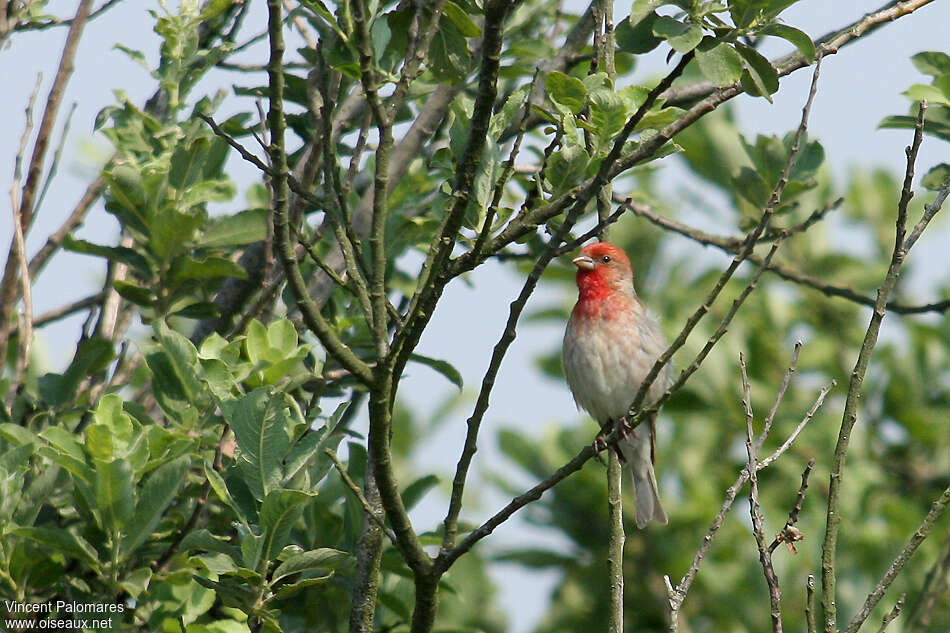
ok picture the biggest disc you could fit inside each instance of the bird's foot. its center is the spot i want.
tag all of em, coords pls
(600, 445)
(624, 429)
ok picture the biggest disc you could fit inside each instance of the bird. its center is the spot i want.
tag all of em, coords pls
(610, 345)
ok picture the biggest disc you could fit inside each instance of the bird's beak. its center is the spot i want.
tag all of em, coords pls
(584, 261)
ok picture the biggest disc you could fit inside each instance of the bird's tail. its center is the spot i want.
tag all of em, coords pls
(637, 451)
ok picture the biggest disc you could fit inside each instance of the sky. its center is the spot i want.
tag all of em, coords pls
(859, 86)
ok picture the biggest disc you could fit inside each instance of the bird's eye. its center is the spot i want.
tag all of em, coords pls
(605, 259)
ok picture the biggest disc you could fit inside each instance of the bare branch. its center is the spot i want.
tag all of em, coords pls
(891, 615)
(758, 522)
(811, 625)
(789, 534)
(25, 334)
(8, 285)
(855, 391)
(937, 508)
(935, 586)
(727, 244)
(678, 594)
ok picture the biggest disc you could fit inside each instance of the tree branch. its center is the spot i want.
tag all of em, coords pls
(515, 310)
(8, 285)
(937, 508)
(314, 320)
(758, 522)
(728, 244)
(849, 417)
(636, 414)
(935, 586)
(678, 594)
(789, 534)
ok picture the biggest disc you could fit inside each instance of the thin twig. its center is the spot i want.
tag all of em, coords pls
(27, 198)
(39, 26)
(930, 211)
(25, 334)
(355, 489)
(935, 586)
(810, 623)
(789, 534)
(727, 244)
(758, 522)
(57, 155)
(70, 308)
(786, 379)
(892, 614)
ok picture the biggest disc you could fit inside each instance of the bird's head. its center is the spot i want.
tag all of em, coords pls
(602, 269)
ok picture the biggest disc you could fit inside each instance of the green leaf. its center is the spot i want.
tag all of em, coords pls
(797, 37)
(128, 256)
(441, 366)
(288, 591)
(93, 355)
(933, 63)
(204, 540)
(16, 434)
(242, 228)
(126, 188)
(751, 186)
(637, 37)
(681, 36)
(279, 511)
(260, 430)
(925, 92)
(186, 163)
(719, 63)
(937, 177)
(322, 558)
(115, 493)
(642, 9)
(233, 592)
(182, 365)
(198, 310)
(282, 337)
(257, 344)
(136, 582)
(449, 58)
(566, 167)
(310, 447)
(216, 190)
(63, 540)
(566, 90)
(158, 491)
(936, 128)
(139, 295)
(460, 19)
(416, 490)
(187, 267)
(224, 494)
(687, 41)
(759, 79)
(608, 113)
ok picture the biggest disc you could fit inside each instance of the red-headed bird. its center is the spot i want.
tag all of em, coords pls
(610, 345)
